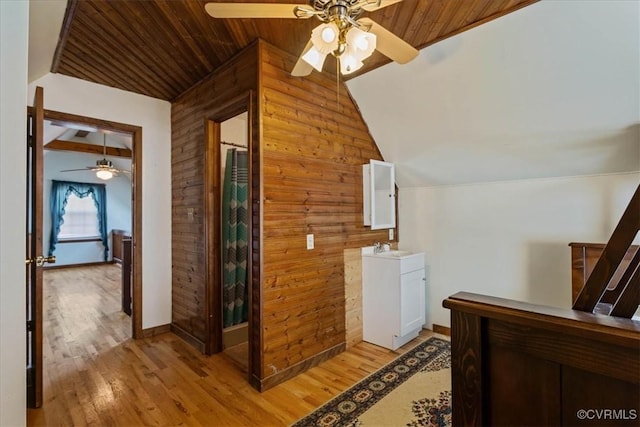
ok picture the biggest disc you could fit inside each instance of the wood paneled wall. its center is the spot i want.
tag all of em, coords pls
(313, 149)
(307, 157)
(189, 115)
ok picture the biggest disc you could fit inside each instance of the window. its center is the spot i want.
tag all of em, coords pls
(78, 211)
(80, 219)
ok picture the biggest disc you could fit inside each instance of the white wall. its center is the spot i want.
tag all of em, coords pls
(522, 103)
(74, 96)
(14, 27)
(233, 130)
(508, 239)
(118, 204)
(549, 90)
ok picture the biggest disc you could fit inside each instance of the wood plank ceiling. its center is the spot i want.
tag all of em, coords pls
(161, 48)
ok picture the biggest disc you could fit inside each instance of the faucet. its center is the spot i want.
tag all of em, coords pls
(379, 247)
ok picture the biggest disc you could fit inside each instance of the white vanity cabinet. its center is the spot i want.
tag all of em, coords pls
(393, 298)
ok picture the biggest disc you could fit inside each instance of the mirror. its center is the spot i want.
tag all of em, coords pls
(379, 195)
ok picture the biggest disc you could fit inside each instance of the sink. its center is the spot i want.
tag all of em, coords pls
(394, 253)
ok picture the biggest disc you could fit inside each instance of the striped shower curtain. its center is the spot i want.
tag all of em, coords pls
(234, 237)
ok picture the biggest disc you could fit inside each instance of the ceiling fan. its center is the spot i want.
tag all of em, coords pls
(343, 33)
(104, 168)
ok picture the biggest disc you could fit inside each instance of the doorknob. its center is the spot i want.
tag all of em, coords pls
(41, 260)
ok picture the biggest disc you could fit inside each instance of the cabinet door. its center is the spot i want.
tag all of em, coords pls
(383, 195)
(412, 303)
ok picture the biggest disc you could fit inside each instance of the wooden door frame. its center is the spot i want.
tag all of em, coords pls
(213, 226)
(136, 202)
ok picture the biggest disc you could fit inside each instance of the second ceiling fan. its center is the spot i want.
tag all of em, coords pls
(343, 32)
(104, 168)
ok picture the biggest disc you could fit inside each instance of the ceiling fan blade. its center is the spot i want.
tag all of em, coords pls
(253, 10)
(88, 168)
(302, 67)
(373, 4)
(389, 44)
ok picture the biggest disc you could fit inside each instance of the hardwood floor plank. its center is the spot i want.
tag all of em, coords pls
(95, 374)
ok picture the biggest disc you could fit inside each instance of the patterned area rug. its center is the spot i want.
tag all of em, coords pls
(413, 390)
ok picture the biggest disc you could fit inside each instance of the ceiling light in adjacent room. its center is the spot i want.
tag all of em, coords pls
(104, 174)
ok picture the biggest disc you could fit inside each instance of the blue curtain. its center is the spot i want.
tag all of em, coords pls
(60, 191)
(235, 208)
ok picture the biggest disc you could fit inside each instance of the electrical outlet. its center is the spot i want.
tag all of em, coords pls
(310, 244)
(391, 234)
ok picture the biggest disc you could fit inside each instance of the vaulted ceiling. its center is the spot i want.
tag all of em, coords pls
(161, 48)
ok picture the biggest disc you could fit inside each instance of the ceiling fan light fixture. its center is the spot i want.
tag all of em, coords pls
(343, 31)
(349, 63)
(325, 37)
(361, 43)
(104, 166)
(352, 46)
(104, 174)
(315, 58)
(328, 35)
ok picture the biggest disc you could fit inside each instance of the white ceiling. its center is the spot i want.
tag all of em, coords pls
(68, 132)
(550, 90)
(45, 21)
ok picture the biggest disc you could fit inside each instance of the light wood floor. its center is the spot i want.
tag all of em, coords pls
(96, 375)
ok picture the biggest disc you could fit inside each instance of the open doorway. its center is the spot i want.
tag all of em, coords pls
(87, 227)
(74, 147)
(71, 155)
(34, 231)
(229, 221)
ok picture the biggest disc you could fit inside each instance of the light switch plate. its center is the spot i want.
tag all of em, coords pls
(310, 243)
(391, 233)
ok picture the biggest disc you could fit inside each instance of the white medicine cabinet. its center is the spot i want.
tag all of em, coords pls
(379, 194)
